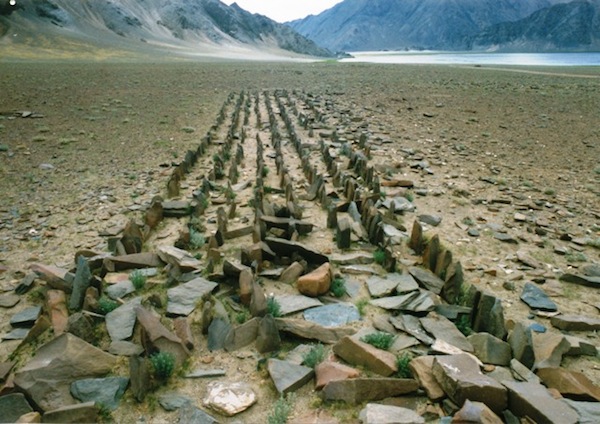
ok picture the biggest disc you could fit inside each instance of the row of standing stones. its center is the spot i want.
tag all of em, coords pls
(503, 371)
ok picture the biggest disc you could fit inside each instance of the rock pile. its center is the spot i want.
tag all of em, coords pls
(254, 266)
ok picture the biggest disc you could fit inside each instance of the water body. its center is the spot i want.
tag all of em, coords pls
(467, 58)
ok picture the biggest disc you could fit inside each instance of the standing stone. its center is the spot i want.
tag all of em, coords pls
(121, 321)
(83, 279)
(421, 368)
(139, 375)
(489, 317)
(461, 379)
(416, 238)
(490, 349)
(47, 377)
(291, 274)
(267, 339)
(82, 326)
(374, 413)
(245, 281)
(343, 233)
(454, 283)
(156, 337)
(328, 371)
(430, 255)
(427, 279)
(154, 214)
(287, 376)
(534, 401)
(182, 329)
(218, 332)
(258, 303)
(521, 344)
(242, 335)
(548, 349)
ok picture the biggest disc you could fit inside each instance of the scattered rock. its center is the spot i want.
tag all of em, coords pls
(536, 298)
(334, 315)
(189, 413)
(121, 321)
(287, 376)
(312, 331)
(534, 401)
(571, 384)
(358, 390)
(490, 349)
(548, 349)
(183, 299)
(422, 370)
(427, 279)
(27, 317)
(80, 413)
(328, 371)
(290, 303)
(9, 300)
(442, 328)
(12, 406)
(267, 338)
(362, 354)
(156, 337)
(172, 401)
(105, 391)
(374, 413)
(180, 258)
(476, 412)
(291, 274)
(315, 283)
(47, 377)
(575, 323)
(229, 398)
(461, 379)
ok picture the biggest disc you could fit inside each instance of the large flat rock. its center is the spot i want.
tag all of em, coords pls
(358, 390)
(534, 400)
(182, 300)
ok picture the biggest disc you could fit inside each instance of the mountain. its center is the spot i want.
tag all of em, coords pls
(358, 25)
(572, 26)
(190, 26)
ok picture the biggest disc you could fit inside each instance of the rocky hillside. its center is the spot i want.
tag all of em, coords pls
(572, 26)
(356, 25)
(174, 24)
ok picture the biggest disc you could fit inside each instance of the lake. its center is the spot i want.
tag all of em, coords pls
(468, 58)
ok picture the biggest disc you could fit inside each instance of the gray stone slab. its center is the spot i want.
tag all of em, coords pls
(121, 321)
(287, 376)
(105, 391)
(536, 298)
(120, 289)
(290, 303)
(418, 302)
(182, 300)
(334, 315)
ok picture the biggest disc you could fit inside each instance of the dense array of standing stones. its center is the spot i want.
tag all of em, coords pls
(274, 168)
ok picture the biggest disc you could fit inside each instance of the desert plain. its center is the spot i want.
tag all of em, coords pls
(86, 146)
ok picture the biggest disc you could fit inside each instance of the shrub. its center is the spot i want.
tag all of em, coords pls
(197, 239)
(379, 256)
(402, 362)
(273, 307)
(361, 305)
(314, 356)
(338, 287)
(463, 323)
(138, 279)
(380, 339)
(282, 410)
(106, 305)
(163, 364)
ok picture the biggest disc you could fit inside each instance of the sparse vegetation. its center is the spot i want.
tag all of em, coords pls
(273, 307)
(314, 356)
(379, 256)
(282, 409)
(106, 305)
(138, 279)
(242, 316)
(409, 196)
(265, 171)
(380, 339)
(163, 364)
(463, 324)
(402, 363)
(574, 257)
(338, 287)
(361, 305)
(197, 239)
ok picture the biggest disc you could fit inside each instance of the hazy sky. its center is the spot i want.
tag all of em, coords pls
(285, 10)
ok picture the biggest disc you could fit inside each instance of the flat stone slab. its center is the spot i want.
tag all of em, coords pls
(571, 384)
(172, 401)
(27, 317)
(412, 325)
(12, 406)
(351, 258)
(121, 321)
(383, 286)
(401, 204)
(417, 301)
(287, 376)
(313, 331)
(374, 413)
(442, 328)
(536, 298)
(334, 315)
(180, 258)
(427, 279)
(589, 412)
(584, 280)
(120, 289)
(358, 353)
(16, 334)
(575, 323)
(534, 400)
(183, 299)
(202, 373)
(290, 303)
(106, 391)
(358, 390)
(284, 247)
(9, 300)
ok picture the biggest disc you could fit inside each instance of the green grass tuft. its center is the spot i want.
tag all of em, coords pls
(381, 340)
(314, 356)
(273, 307)
(163, 364)
(379, 256)
(338, 287)
(402, 362)
(138, 279)
(106, 305)
(282, 409)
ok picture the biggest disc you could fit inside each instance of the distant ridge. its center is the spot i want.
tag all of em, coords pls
(202, 26)
(359, 25)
